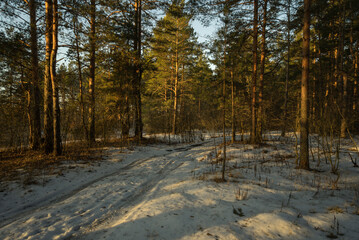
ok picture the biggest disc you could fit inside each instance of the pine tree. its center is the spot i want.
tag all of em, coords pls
(92, 41)
(137, 69)
(262, 68)
(172, 46)
(54, 81)
(304, 125)
(48, 100)
(254, 136)
(35, 125)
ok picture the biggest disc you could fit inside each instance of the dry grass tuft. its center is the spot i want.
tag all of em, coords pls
(218, 179)
(335, 209)
(241, 195)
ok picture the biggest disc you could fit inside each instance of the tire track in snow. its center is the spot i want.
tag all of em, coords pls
(137, 196)
(132, 200)
(126, 201)
(39, 205)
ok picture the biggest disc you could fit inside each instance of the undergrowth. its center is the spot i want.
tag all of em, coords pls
(25, 164)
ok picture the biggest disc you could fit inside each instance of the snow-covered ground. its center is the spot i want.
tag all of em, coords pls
(174, 192)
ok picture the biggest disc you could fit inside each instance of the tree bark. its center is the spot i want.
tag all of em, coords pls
(354, 54)
(138, 70)
(355, 93)
(224, 115)
(92, 71)
(55, 89)
(233, 113)
(343, 127)
(344, 80)
(261, 77)
(224, 93)
(175, 105)
(35, 121)
(254, 138)
(304, 125)
(314, 87)
(48, 105)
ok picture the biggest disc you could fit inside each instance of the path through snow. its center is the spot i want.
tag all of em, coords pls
(165, 192)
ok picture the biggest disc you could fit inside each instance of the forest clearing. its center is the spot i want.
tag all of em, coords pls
(163, 191)
(179, 119)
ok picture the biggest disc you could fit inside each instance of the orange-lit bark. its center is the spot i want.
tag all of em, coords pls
(261, 77)
(55, 89)
(48, 105)
(304, 125)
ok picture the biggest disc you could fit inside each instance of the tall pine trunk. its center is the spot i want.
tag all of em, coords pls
(355, 91)
(138, 70)
(175, 100)
(354, 54)
(92, 71)
(254, 138)
(226, 10)
(344, 80)
(35, 136)
(304, 124)
(48, 105)
(233, 112)
(261, 77)
(55, 89)
(224, 114)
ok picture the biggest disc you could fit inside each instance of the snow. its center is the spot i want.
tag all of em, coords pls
(174, 192)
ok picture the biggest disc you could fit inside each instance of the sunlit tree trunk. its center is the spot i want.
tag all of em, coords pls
(304, 125)
(55, 89)
(48, 105)
(261, 77)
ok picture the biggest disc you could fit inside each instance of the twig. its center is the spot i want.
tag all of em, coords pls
(354, 162)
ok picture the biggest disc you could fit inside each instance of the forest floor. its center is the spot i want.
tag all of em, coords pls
(161, 191)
